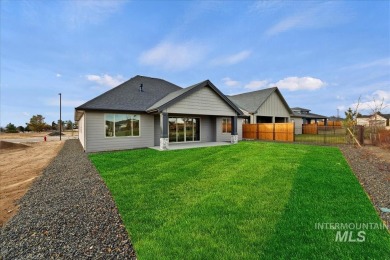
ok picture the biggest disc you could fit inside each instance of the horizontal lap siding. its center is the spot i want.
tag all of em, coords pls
(96, 140)
(273, 106)
(203, 102)
(222, 137)
(239, 128)
(206, 129)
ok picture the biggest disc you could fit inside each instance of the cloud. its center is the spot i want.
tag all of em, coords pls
(232, 59)
(385, 62)
(26, 114)
(266, 6)
(58, 75)
(78, 13)
(256, 84)
(105, 80)
(296, 83)
(286, 24)
(173, 56)
(327, 14)
(230, 83)
(379, 100)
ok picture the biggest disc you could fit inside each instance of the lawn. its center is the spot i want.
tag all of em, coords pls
(321, 138)
(246, 201)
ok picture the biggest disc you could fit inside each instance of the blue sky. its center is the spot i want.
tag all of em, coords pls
(323, 55)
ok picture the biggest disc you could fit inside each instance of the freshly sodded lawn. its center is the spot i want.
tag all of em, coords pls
(251, 200)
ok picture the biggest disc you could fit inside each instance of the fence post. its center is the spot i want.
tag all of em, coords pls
(273, 131)
(361, 134)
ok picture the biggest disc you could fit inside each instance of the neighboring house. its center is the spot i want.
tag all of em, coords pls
(303, 116)
(381, 120)
(263, 106)
(146, 112)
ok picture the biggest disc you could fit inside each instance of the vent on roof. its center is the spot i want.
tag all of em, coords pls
(141, 88)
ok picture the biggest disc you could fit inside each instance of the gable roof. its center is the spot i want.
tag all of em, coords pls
(180, 94)
(309, 115)
(127, 97)
(300, 109)
(252, 101)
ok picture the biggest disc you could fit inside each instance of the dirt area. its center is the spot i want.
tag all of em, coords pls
(20, 164)
(381, 153)
(3, 136)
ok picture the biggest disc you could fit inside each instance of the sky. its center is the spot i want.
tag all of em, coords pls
(325, 56)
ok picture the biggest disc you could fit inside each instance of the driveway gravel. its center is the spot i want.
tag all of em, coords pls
(373, 174)
(67, 213)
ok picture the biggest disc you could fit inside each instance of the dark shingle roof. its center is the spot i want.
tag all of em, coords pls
(300, 109)
(309, 115)
(127, 97)
(171, 96)
(252, 101)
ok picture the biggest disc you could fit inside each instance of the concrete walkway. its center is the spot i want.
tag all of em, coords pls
(180, 146)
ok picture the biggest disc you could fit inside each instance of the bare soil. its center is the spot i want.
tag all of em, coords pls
(20, 165)
(382, 153)
(26, 135)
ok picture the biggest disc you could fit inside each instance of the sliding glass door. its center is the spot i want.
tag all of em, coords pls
(184, 129)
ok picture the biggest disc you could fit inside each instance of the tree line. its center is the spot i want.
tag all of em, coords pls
(37, 124)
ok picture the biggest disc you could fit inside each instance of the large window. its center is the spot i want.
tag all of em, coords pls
(122, 125)
(226, 125)
(184, 129)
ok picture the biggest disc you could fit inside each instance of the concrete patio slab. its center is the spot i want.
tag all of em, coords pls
(180, 146)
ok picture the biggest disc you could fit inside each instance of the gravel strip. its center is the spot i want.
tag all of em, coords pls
(373, 175)
(68, 213)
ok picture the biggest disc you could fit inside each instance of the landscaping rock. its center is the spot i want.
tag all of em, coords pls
(68, 213)
(373, 174)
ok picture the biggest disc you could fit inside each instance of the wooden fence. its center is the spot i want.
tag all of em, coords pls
(314, 129)
(269, 131)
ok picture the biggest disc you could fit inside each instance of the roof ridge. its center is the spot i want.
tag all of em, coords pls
(255, 91)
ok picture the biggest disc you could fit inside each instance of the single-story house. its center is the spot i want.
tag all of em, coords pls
(303, 116)
(263, 106)
(146, 112)
(378, 119)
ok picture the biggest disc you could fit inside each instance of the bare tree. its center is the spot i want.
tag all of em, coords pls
(350, 123)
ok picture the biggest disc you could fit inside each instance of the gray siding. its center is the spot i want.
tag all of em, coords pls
(157, 130)
(298, 125)
(97, 141)
(206, 129)
(81, 127)
(239, 128)
(221, 137)
(203, 102)
(273, 106)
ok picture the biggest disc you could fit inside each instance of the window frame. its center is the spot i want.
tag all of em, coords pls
(228, 120)
(185, 136)
(114, 125)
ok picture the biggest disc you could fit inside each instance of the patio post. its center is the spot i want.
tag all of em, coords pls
(234, 136)
(164, 139)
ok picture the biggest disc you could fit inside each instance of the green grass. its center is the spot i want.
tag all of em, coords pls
(246, 201)
(321, 138)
